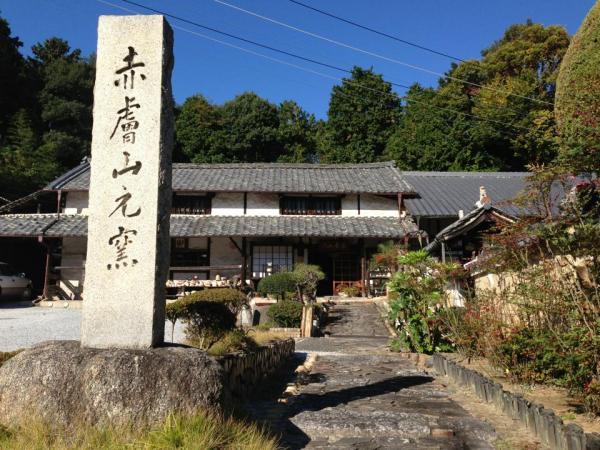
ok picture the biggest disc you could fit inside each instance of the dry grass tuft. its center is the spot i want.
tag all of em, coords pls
(201, 431)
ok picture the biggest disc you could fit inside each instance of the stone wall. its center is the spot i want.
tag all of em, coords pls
(245, 371)
(542, 422)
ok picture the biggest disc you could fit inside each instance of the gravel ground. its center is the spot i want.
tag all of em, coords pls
(23, 326)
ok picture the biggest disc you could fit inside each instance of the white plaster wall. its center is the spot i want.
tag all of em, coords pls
(228, 204)
(376, 206)
(224, 253)
(262, 204)
(349, 205)
(73, 255)
(76, 202)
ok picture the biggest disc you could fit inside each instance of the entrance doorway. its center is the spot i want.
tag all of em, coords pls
(324, 260)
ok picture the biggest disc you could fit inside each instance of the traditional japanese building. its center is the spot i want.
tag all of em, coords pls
(250, 220)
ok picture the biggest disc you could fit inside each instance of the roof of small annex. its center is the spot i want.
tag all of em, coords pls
(443, 194)
(51, 225)
(467, 223)
(374, 178)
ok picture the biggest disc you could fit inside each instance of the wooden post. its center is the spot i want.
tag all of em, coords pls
(443, 252)
(244, 261)
(363, 268)
(45, 293)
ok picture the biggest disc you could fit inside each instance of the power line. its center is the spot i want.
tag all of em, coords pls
(372, 30)
(248, 41)
(259, 44)
(376, 55)
(427, 104)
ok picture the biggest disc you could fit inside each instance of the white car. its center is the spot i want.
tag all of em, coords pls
(14, 284)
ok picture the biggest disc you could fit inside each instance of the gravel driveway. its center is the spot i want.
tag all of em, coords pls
(22, 325)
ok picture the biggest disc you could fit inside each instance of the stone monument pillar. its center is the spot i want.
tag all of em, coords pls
(130, 186)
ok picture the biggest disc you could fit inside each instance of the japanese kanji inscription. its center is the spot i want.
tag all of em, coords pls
(130, 185)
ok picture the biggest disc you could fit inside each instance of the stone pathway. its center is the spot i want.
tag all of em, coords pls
(358, 395)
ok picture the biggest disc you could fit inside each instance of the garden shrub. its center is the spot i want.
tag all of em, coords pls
(233, 341)
(307, 277)
(286, 313)
(206, 321)
(281, 285)
(351, 291)
(415, 307)
(233, 298)
(175, 311)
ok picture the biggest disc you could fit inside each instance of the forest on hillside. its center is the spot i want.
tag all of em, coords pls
(501, 118)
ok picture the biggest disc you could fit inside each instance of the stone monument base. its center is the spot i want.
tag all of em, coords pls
(61, 382)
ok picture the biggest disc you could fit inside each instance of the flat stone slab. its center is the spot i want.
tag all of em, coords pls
(61, 382)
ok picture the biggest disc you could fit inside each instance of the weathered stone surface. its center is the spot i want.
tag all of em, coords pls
(64, 383)
(358, 395)
(130, 185)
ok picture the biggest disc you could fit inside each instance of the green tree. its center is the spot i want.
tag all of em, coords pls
(578, 98)
(12, 76)
(297, 133)
(199, 131)
(363, 112)
(24, 165)
(432, 137)
(65, 100)
(251, 126)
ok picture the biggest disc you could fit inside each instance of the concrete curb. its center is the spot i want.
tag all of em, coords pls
(543, 423)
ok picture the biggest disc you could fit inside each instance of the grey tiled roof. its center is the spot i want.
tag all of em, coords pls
(376, 178)
(24, 225)
(249, 226)
(443, 194)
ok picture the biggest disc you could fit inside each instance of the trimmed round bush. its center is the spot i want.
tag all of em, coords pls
(206, 321)
(233, 298)
(278, 285)
(286, 313)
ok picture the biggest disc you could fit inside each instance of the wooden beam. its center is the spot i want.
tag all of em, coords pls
(236, 246)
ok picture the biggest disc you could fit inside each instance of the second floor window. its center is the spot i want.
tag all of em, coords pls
(191, 204)
(313, 206)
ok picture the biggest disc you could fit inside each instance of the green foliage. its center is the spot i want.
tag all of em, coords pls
(415, 307)
(297, 133)
(233, 298)
(351, 291)
(251, 128)
(307, 277)
(45, 125)
(360, 119)
(206, 320)
(233, 342)
(279, 285)
(286, 313)
(460, 126)
(199, 131)
(578, 98)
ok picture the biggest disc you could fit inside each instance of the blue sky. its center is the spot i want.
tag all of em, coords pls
(458, 27)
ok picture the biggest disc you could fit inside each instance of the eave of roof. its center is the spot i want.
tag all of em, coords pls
(225, 226)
